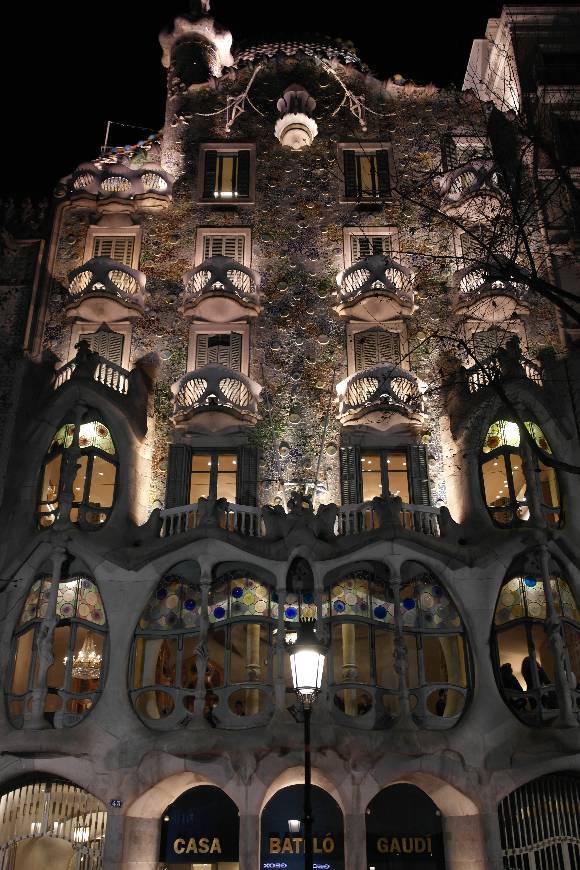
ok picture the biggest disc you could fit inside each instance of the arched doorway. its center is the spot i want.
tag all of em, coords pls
(51, 824)
(539, 823)
(282, 830)
(200, 829)
(404, 830)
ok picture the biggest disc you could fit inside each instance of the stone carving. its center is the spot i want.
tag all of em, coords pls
(466, 180)
(296, 129)
(300, 523)
(221, 275)
(212, 512)
(86, 361)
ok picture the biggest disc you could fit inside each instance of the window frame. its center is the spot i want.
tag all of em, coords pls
(353, 328)
(349, 233)
(204, 328)
(226, 148)
(202, 233)
(213, 474)
(365, 149)
(82, 327)
(94, 232)
(383, 453)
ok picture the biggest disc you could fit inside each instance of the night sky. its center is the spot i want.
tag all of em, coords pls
(74, 66)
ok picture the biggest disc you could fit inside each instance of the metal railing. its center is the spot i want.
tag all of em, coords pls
(491, 369)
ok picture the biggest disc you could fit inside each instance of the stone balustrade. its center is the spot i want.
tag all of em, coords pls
(486, 285)
(215, 388)
(221, 289)
(502, 365)
(378, 285)
(384, 388)
(106, 373)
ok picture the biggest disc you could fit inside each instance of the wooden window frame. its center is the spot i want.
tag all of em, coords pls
(114, 232)
(366, 149)
(217, 329)
(227, 148)
(81, 328)
(350, 232)
(204, 232)
(390, 325)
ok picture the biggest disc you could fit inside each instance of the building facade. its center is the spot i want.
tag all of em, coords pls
(309, 352)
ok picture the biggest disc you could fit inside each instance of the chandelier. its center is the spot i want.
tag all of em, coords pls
(86, 664)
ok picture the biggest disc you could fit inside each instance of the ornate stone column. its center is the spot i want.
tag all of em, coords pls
(249, 841)
(68, 472)
(34, 712)
(280, 649)
(555, 629)
(253, 667)
(201, 653)
(140, 844)
(466, 844)
(400, 652)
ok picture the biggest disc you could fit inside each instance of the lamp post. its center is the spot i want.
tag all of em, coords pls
(307, 664)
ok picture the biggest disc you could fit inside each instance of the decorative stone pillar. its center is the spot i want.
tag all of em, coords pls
(355, 840)
(253, 667)
(555, 629)
(113, 848)
(201, 653)
(465, 843)
(349, 668)
(400, 653)
(249, 841)
(140, 844)
(34, 713)
(280, 649)
(69, 467)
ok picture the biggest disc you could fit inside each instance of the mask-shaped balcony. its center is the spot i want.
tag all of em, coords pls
(382, 398)
(477, 178)
(104, 291)
(149, 186)
(217, 397)
(376, 288)
(484, 292)
(221, 290)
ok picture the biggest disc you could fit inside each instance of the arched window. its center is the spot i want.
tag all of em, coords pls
(93, 482)
(523, 657)
(364, 630)
(74, 626)
(509, 469)
(167, 658)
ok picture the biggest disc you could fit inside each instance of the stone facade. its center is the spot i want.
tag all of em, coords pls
(267, 334)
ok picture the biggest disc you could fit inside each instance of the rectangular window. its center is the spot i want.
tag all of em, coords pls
(226, 174)
(219, 349)
(376, 346)
(369, 245)
(366, 173)
(401, 471)
(213, 474)
(106, 343)
(118, 248)
(193, 474)
(224, 246)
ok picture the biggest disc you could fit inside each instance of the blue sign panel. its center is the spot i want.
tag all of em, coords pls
(282, 847)
(201, 827)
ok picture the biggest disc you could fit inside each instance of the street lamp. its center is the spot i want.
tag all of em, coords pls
(307, 664)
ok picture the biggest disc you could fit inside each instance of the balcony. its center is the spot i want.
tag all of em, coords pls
(217, 397)
(484, 291)
(376, 288)
(380, 398)
(149, 186)
(506, 363)
(352, 519)
(477, 179)
(100, 369)
(104, 291)
(221, 290)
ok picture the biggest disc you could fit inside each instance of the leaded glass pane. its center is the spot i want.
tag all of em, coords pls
(218, 602)
(66, 601)
(173, 605)
(510, 605)
(502, 433)
(350, 597)
(538, 436)
(248, 597)
(382, 604)
(96, 434)
(63, 437)
(33, 607)
(569, 608)
(534, 595)
(89, 602)
(437, 609)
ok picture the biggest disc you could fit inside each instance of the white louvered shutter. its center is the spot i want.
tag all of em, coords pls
(222, 349)
(369, 245)
(224, 246)
(118, 248)
(107, 344)
(376, 346)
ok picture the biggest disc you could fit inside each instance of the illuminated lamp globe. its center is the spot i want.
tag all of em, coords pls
(307, 657)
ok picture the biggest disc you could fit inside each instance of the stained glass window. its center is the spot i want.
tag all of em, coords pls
(175, 604)
(78, 637)
(502, 433)
(94, 484)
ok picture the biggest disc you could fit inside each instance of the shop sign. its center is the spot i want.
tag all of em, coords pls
(201, 826)
(283, 849)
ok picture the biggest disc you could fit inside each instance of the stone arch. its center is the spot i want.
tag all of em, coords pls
(295, 776)
(448, 798)
(152, 803)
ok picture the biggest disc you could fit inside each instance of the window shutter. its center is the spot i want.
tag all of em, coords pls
(389, 346)
(350, 190)
(369, 246)
(419, 472)
(247, 481)
(201, 350)
(350, 477)
(235, 354)
(224, 246)
(178, 475)
(106, 343)
(448, 152)
(382, 163)
(209, 172)
(243, 187)
(103, 246)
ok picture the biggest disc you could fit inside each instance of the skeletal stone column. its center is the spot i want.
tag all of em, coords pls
(400, 652)
(34, 711)
(555, 628)
(70, 466)
(280, 649)
(201, 653)
(349, 667)
(253, 667)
